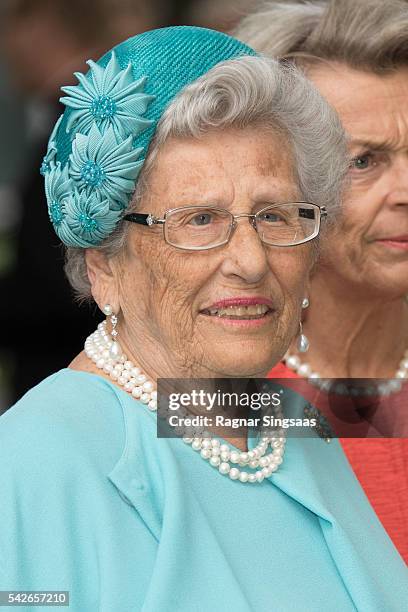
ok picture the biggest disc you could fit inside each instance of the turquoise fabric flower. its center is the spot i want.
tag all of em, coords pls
(79, 218)
(88, 219)
(110, 97)
(100, 163)
(58, 187)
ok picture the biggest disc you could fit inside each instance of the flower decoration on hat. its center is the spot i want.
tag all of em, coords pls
(110, 97)
(88, 219)
(79, 218)
(58, 187)
(87, 197)
(100, 163)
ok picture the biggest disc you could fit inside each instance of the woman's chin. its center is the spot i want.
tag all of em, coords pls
(250, 365)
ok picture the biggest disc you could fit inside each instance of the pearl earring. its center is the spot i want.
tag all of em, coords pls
(305, 303)
(115, 350)
(303, 341)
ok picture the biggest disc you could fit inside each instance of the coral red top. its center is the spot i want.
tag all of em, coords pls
(381, 466)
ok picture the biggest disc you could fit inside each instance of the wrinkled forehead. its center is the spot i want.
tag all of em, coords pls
(372, 107)
(224, 167)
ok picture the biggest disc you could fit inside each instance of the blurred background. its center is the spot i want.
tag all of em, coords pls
(42, 42)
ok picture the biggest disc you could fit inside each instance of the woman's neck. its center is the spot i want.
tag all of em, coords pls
(352, 334)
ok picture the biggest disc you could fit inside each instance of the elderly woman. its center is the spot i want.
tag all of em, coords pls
(182, 179)
(357, 55)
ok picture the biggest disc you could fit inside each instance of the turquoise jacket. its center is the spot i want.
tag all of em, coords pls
(93, 503)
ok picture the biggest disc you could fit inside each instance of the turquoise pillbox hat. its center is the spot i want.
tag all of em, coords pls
(99, 144)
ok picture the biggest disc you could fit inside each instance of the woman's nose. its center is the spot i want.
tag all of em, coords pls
(245, 255)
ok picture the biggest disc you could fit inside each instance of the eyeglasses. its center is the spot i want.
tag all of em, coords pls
(197, 228)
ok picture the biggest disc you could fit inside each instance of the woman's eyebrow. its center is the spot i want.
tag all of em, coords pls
(375, 145)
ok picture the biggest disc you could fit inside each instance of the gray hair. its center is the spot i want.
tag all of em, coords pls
(370, 35)
(245, 92)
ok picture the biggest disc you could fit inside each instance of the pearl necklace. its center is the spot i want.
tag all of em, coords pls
(107, 356)
(386, 388)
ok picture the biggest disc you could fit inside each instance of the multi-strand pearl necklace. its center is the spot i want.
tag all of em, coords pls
(303, 369)
(107, 356)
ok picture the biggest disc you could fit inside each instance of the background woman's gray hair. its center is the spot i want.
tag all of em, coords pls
(365, 34)
(242, 93)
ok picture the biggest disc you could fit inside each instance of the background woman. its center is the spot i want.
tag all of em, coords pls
(203, 275)
(357, 322)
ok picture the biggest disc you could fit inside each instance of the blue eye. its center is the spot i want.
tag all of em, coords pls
(363, 162)
(201, 219)
(270, 217)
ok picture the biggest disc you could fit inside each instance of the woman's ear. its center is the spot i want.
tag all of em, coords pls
(103, 279)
